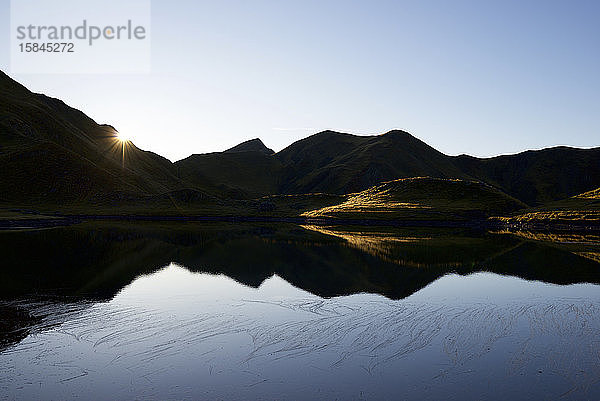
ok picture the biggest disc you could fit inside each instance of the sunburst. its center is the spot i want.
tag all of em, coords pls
(124, 140)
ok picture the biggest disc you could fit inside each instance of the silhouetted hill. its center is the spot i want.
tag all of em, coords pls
(50, 152)
(235, 174)
(253, 145)
(539, 176)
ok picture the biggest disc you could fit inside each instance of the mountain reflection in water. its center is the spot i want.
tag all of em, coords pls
(258, 311)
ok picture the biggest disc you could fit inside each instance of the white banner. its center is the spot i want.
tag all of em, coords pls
(80, 36)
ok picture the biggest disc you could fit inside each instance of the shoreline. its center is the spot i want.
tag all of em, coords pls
(9, 224)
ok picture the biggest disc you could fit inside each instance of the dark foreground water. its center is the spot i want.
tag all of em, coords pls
(288, 312)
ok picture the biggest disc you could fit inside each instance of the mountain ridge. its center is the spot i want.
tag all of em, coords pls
(51, 152)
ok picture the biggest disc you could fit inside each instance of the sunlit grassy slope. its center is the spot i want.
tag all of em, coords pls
(422, 198)
(580, 210)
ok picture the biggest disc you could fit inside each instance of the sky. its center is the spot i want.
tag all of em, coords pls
(474, 77)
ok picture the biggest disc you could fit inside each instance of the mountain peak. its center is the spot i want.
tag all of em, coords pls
(397, 132)
(252, 145)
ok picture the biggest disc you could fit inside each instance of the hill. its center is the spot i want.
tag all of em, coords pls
(423, 199)
(581, 211)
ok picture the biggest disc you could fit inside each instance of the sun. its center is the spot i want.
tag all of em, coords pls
(123, 137)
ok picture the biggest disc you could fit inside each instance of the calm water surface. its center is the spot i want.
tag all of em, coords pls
(262, 312)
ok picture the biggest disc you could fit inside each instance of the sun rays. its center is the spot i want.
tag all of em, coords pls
(122, 144)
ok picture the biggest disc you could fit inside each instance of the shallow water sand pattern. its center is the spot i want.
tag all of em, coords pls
(176, 334)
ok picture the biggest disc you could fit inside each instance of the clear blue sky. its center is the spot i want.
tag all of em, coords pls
(475, 77)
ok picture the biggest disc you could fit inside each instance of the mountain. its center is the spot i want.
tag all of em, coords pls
(253, 145)
(343, 163)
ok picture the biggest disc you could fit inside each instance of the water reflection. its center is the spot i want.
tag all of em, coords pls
(100, 259)
(286, 312)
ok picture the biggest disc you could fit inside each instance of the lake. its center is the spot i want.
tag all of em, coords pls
(110, 311)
